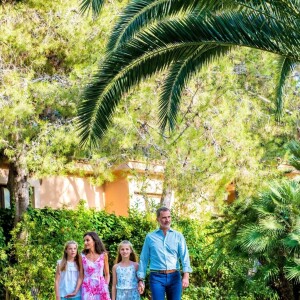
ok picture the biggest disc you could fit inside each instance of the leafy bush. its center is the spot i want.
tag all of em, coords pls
(37, 243)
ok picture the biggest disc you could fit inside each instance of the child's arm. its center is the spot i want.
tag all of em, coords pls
(79, 280)
(106, 269)
(114, 283)
(56, 286)
(136, 265)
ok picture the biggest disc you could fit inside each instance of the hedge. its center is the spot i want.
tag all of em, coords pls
(28, 259)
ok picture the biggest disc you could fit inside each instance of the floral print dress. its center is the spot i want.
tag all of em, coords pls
(94, 286)
(127, 283)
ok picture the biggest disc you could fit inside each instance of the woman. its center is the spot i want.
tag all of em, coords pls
(95, 263)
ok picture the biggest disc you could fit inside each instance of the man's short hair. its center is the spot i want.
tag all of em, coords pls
(163, 208)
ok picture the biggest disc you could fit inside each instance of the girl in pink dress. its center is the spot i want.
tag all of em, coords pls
(95, 263)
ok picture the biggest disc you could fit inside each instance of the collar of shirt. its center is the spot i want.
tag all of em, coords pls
(159, 229)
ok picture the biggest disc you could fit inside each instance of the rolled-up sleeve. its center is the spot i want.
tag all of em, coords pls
(184, 256)
(144, 259)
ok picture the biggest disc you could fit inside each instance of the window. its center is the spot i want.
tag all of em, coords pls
(4, 197)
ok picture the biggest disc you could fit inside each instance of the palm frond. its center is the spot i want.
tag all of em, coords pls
(103, 95)
(286, 67)
(94, 5)
(243, 29)
(160, 45)
(179, 74)
(292, 242)
(270, 272)
(294, 148)
(271, 226)
(139, 14)
(282, 11)
(253, 240)
(292, 271)
(283, 193)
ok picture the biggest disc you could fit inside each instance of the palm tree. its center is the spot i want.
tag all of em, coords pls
(182, 36)
(274, 237)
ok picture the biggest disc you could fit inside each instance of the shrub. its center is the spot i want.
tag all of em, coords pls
(37, 243)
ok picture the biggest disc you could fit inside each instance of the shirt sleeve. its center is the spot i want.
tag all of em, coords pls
(144, 259)
(184, 256)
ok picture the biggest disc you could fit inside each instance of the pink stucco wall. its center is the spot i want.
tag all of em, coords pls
(117, 196)
(61, 191)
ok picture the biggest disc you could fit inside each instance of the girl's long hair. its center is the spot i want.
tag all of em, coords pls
(99, 246)
(133, 256)
(63, 264)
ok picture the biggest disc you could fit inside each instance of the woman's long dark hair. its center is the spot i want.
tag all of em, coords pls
(99, 246)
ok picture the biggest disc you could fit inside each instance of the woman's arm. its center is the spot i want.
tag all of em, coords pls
(56, 286)
(141, 284)
(80, 278)
(114, 283)
(106, 268)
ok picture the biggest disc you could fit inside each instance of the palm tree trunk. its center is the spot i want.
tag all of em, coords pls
(285, 288)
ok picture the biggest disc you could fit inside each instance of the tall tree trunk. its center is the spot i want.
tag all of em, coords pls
(18, 187)
(167, 195)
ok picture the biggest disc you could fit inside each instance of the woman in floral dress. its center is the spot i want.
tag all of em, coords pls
(95, 263)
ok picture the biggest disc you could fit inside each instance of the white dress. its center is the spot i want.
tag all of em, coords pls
(68, 279)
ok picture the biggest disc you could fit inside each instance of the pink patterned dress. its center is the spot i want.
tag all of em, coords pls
(94, 286)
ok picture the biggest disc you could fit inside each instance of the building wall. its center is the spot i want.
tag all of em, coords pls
(117, 196)
(59, 191)
(126, 191)
(3, 176)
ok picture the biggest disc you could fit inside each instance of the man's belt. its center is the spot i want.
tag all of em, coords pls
(163, 271)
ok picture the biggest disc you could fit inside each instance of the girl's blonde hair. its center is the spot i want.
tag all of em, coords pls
(133, 256)
(63, 264)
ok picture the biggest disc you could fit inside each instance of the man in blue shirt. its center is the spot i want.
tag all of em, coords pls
(164, 248)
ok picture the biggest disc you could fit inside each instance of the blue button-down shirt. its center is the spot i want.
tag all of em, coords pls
(164, 252)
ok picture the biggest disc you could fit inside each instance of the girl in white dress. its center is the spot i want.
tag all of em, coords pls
(69, 273)
(125, 281)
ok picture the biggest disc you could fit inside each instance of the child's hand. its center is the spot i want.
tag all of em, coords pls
(71, 295)
(141, 287)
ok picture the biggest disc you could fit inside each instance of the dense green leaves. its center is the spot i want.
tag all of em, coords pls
(37, 243)
(268, 231)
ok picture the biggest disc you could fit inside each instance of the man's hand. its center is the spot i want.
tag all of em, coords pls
(141, 287)
(185, 280)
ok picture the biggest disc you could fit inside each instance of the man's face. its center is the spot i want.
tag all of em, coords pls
(164, 220)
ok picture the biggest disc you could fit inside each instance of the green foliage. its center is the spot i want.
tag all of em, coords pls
(224, 131)
(294, 158)
(37, 243)
(274, 237)
(265, 231)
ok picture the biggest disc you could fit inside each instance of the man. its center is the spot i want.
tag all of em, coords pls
(164, 248)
